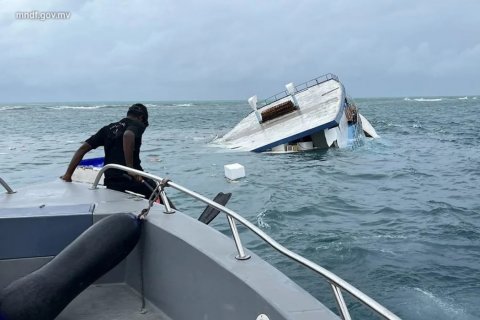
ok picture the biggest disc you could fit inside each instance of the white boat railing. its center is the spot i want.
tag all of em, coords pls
(337, 284)
(299, 88)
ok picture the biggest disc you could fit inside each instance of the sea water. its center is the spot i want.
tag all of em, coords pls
(398, 217)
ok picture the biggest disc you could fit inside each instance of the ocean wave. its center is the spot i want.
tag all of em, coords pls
(463, 98)
(445, 305)
(78, 107)
(428, 100)
(381, 236)
(4, 108)
(172, 105)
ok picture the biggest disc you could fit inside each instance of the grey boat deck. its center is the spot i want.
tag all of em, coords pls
(110, 302)
(189, 268)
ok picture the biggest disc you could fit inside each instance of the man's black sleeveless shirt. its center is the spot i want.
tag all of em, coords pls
(111, 138)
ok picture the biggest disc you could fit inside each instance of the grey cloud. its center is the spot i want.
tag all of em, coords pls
(149, 50)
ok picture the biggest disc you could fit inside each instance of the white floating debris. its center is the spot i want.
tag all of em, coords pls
(368, 128)
(234, 171)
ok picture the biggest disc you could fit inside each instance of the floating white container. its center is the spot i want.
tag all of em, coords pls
(234, 171)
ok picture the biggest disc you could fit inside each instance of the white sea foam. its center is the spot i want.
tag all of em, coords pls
(444, 305)
(428, 100)
(389, 236)
(77, 107)
(387, 251)
(2, 108)
(407, 99)
(261, 223)
(381, 236)
(184, 105)
(463, 98)
(154, 159)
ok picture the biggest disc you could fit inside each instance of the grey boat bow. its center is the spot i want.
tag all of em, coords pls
(182, 268)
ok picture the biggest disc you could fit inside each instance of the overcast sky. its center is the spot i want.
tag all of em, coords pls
(142, 50)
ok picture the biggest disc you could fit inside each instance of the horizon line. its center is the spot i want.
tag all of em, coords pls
(213, 100)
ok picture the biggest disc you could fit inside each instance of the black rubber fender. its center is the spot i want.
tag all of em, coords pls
(43, 294)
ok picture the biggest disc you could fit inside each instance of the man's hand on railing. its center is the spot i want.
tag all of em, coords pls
(136, 177)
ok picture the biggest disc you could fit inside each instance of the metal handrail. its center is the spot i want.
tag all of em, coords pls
(336, 282)
(299, 88)
(6, 186)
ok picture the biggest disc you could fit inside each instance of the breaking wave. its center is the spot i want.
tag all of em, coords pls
(78, 107)
(428, 100)
(184, 105)
(4, 108)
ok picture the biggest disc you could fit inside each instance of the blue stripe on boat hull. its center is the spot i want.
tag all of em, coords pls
(300, 135)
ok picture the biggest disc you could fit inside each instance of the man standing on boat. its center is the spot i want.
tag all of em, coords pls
(121, 141)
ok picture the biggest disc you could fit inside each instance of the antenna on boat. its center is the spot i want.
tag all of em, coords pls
(291, 90)
(252, 101)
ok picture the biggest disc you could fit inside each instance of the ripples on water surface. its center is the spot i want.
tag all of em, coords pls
(397, 217)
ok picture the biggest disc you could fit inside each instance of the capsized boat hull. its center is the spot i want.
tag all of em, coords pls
(322, 116)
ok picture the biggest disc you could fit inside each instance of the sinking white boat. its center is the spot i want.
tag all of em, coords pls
(313, 115)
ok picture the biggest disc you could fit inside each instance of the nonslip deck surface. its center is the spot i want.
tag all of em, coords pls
(109, 302)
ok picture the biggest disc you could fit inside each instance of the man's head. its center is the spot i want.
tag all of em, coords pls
(139, 111)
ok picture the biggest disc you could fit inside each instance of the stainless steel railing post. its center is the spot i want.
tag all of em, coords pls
(6, 186)
(166, 204)
(236, 237)
(341, 305)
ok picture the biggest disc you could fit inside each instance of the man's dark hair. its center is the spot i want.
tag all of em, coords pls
(139, 109)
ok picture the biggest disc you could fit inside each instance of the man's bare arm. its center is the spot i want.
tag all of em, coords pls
(77, 157)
